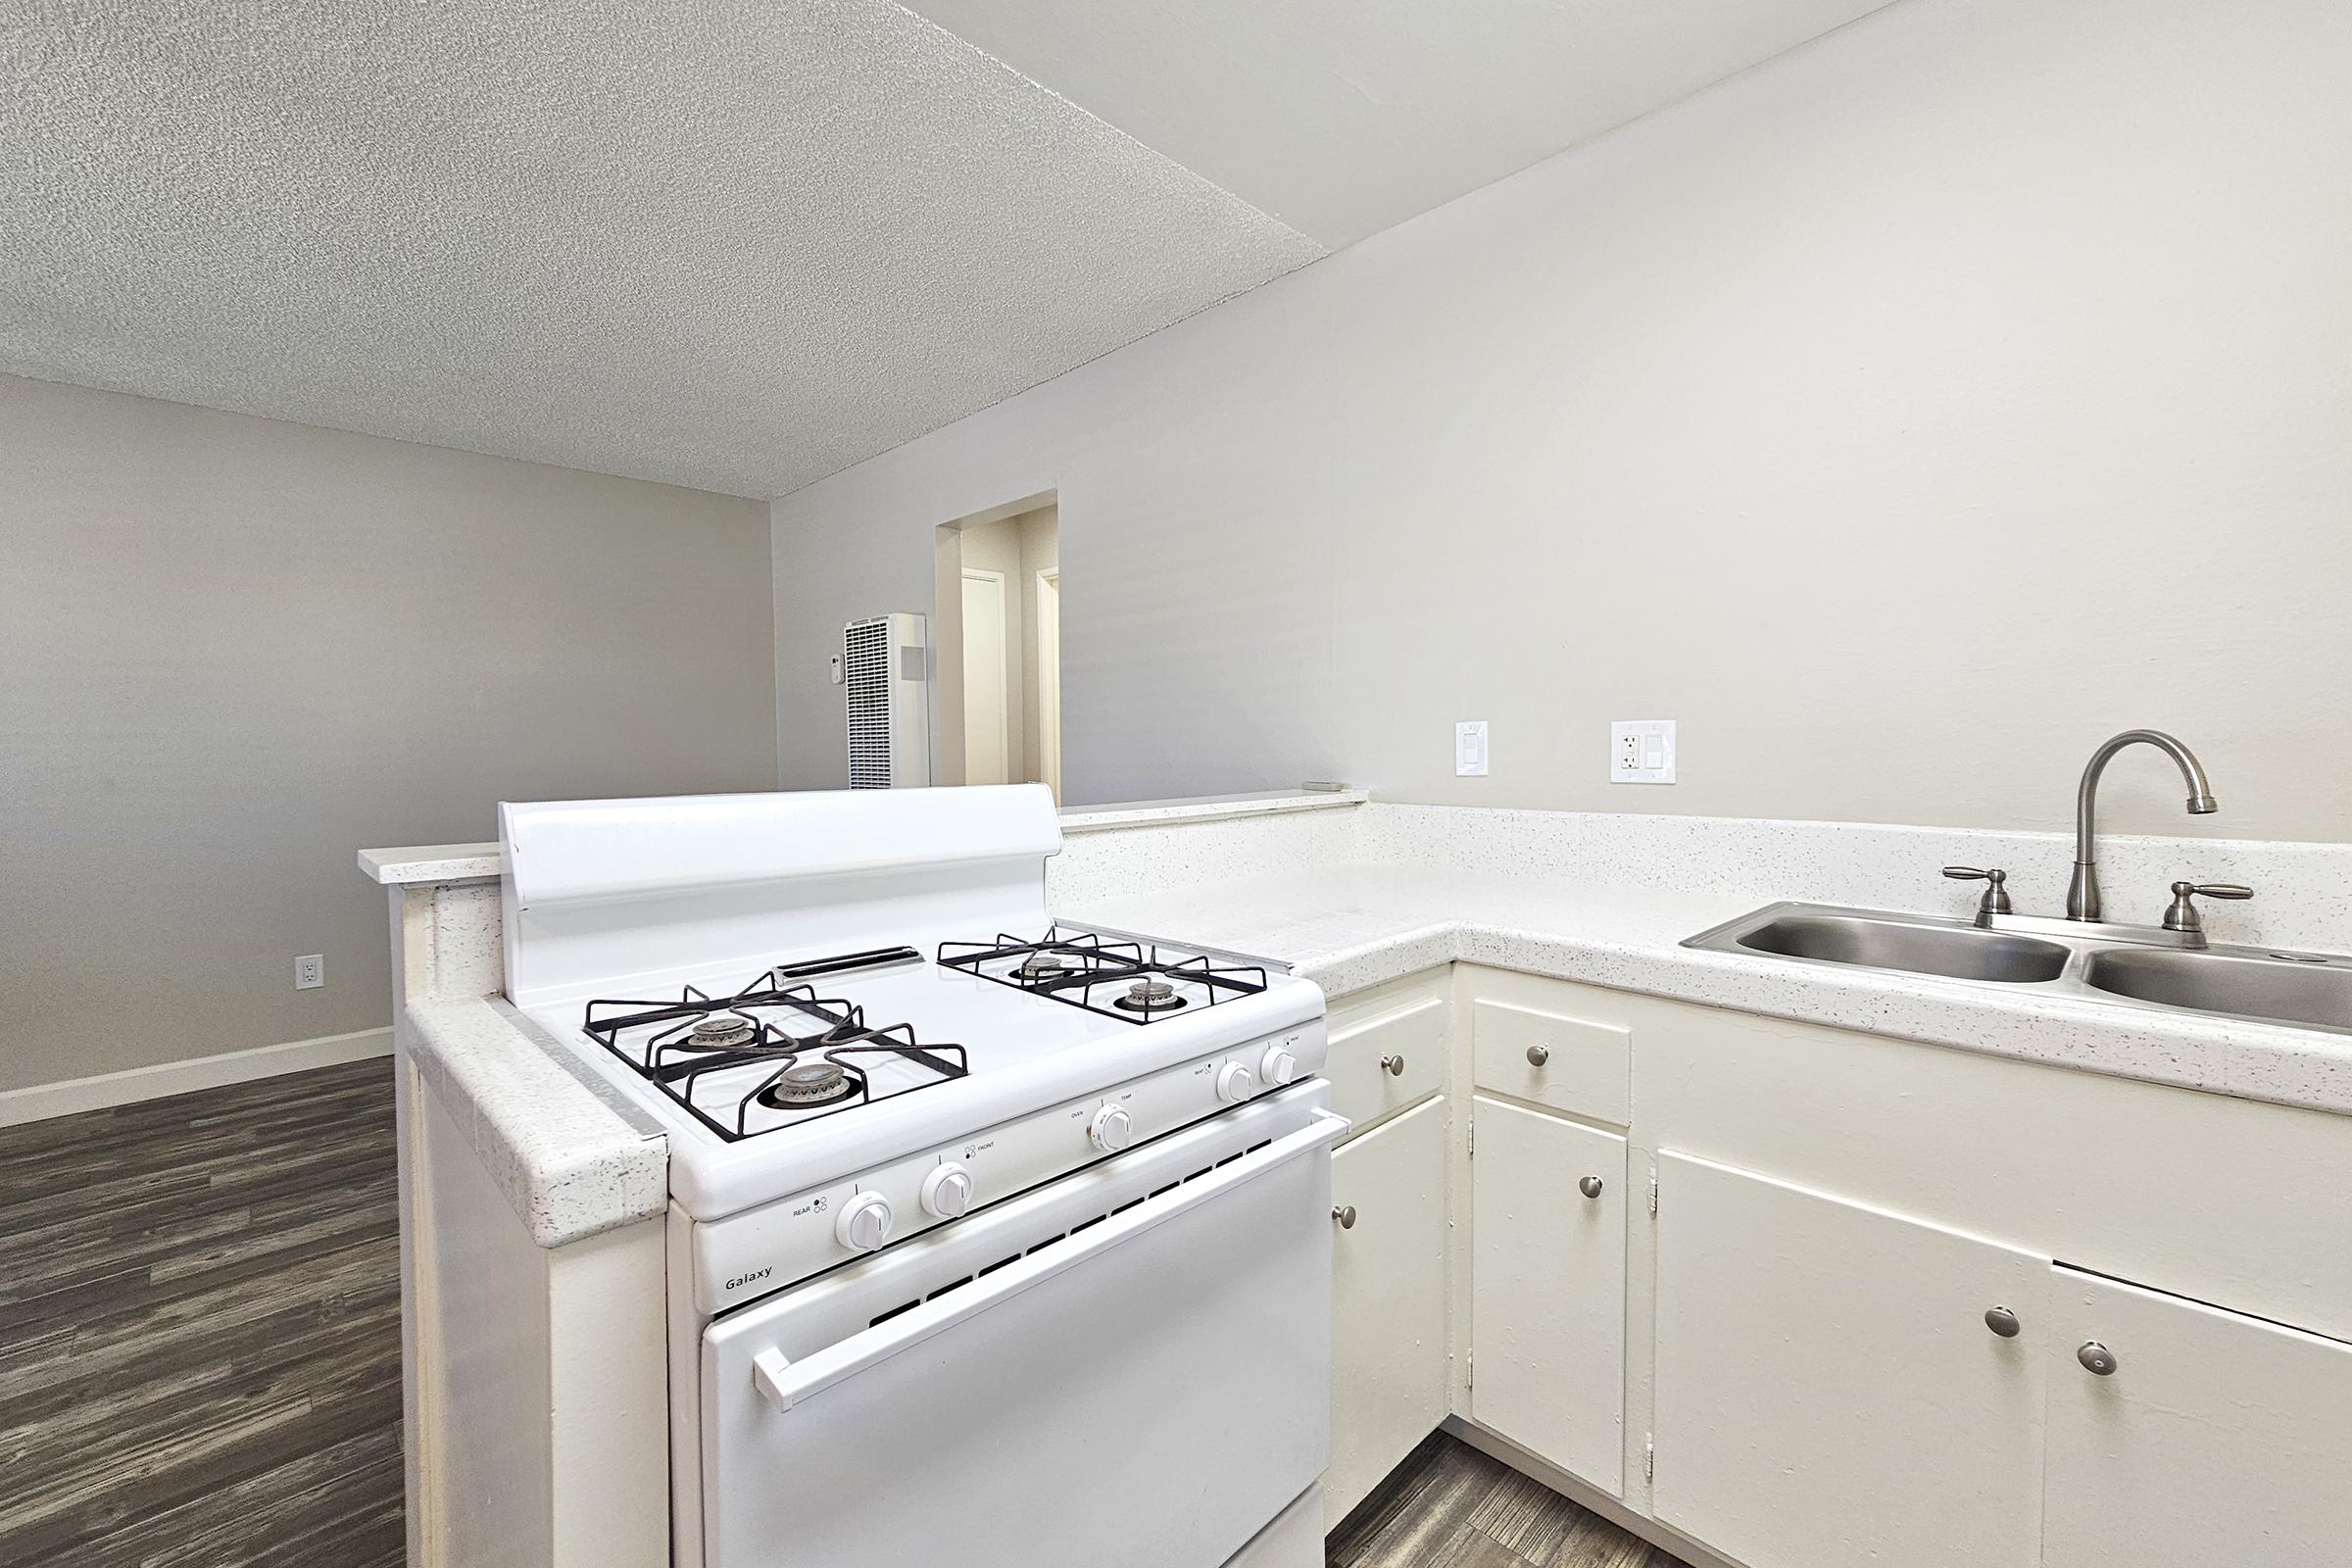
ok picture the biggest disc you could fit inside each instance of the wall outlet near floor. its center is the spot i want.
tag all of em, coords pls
(310, 971)
(1470, 749)
(1641, 751)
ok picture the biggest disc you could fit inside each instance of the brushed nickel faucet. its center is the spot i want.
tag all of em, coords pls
(2083, 891)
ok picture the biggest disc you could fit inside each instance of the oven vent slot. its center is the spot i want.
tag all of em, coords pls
(1045, 1242)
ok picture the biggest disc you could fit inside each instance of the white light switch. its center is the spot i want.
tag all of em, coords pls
(1470, 749)
(1641, 751)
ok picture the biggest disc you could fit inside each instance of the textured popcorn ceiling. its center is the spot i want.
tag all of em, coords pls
(728, 245)
(1344, 117)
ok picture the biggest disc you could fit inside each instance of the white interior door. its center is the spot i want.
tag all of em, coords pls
(2215, 1438)
(987, 727)
(1049, 679)
(1829, 1391)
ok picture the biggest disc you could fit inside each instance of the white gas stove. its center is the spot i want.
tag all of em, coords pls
(918, 1127)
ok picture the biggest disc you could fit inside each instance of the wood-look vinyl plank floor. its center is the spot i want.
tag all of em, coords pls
(200, 1330)
(1451, 1506)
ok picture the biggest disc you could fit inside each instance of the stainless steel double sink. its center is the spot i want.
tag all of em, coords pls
(2265, 985)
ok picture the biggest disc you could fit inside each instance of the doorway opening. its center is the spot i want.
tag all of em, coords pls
(999, 618)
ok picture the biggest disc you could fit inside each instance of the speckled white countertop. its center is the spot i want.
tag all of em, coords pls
(570, 1163)
(431, 863)
(1348, 927)
(1351, 898)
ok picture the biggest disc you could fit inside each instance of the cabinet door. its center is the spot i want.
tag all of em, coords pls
(1547, 1288)
(2216, 1439)
(1388, 1387)
(1827, 1392)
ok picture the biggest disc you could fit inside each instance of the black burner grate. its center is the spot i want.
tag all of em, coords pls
(1118, 979)
(678, 1058)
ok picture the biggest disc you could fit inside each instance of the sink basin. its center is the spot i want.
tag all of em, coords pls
(2249, 985)
(1960, 952)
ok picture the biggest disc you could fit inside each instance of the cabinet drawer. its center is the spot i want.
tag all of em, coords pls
(1580, 1066)
(1388, 1061)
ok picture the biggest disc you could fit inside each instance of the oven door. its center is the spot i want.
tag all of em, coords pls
(1131, 1365)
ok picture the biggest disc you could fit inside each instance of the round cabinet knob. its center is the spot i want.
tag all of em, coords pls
(865, 1222)
(1393, 1067)
(2096, 1360)
(1589, 1186)
(1234, 1083)
(1279, 1067)
(1346, 1217)
(1538, 1055)
(2001, 1321)
(1113, 1130)
(948, 1192)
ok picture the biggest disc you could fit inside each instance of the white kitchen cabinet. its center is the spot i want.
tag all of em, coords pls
(2216, 1439)
(1828, 1393)
(1388, 1301)
(1547, 1288)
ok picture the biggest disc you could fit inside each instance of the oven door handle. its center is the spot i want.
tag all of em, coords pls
(786, 1383)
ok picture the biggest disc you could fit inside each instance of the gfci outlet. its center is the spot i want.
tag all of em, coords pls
(310, 971)
(1641, 751)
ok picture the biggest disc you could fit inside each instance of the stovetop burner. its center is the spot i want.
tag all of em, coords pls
(811, 1083)
(1132, 981)
(724, 1030)
(819, 1052)
(1150, 996)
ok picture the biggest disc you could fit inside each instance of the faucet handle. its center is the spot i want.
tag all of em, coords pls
(1996, 892)
(2183, 916)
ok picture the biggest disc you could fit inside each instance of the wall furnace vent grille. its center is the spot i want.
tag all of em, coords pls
(884, 668)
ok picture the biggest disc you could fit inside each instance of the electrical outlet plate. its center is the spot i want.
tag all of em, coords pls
(310, 971)
(1470, 749)
(1641, 751)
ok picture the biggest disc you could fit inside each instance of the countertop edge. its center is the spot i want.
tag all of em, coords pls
(1208, 811)
(569, 1165)
(431, 863)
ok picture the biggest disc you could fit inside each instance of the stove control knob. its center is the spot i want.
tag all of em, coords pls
(1279, 1067)
(948, 1192)
(1113, 1130)
(1234, 1083)
(865, 1222)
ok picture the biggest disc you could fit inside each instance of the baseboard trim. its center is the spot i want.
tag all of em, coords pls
(40, 1101)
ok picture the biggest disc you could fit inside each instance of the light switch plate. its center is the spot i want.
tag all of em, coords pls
(1470, 749)
(1641, 751)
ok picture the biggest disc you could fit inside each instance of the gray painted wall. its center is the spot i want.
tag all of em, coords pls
(238, 650)
(1901, 417)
